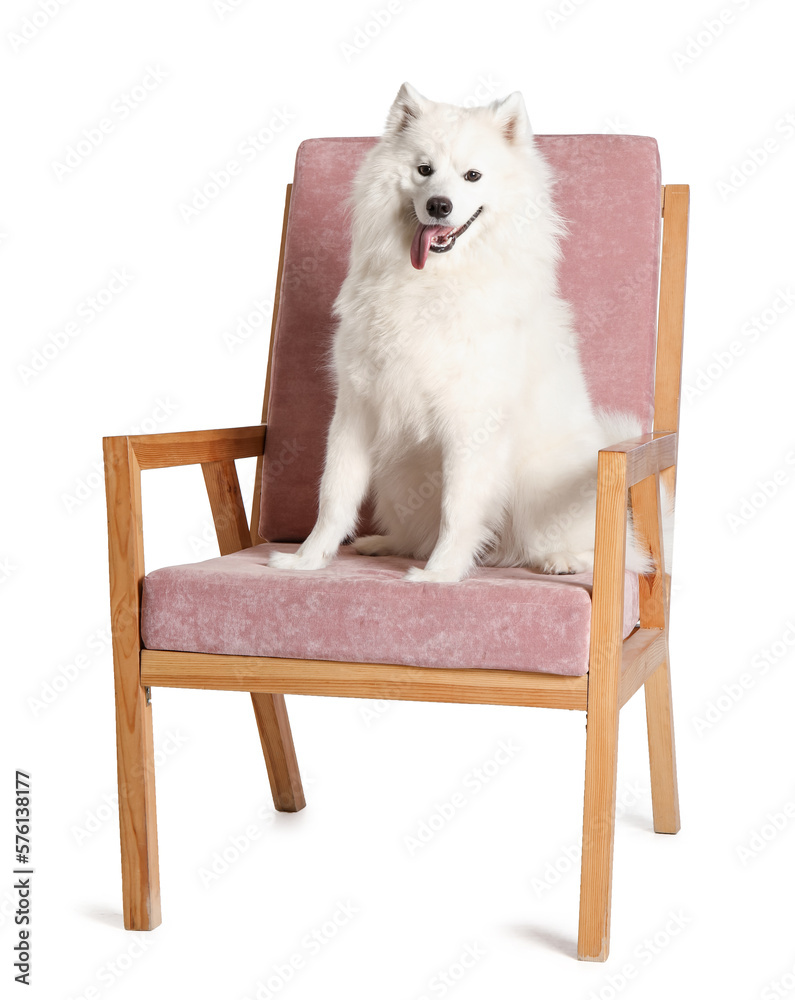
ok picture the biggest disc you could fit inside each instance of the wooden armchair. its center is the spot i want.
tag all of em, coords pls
(614, 219)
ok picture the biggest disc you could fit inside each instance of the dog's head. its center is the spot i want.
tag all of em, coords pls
(455, 166)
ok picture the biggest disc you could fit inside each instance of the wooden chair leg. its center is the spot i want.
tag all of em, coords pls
(598, 835)
(134, 743)
(662, 752)
(601, 745)
(137, 811)
(277, 747)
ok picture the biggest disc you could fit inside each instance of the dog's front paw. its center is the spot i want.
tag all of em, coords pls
(296, 560)
(419, 574)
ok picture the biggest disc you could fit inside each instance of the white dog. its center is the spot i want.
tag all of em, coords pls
(460, 399)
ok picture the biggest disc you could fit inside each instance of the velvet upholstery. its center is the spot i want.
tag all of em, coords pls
(359, 609)
(607, 190)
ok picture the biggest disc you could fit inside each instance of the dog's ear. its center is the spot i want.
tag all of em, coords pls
(512, 119)
(407, 108)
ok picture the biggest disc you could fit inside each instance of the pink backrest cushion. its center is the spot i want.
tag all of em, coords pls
(607, 190)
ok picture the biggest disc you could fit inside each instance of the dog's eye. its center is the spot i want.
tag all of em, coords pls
(472, 175)
(425, 169)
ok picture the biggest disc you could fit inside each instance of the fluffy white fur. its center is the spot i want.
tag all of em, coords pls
(460, 397)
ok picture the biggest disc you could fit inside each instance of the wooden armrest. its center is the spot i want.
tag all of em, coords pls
(646, 455)
(161, 451)
(125, 457)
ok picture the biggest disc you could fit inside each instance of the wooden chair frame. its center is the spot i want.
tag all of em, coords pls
(618, 667)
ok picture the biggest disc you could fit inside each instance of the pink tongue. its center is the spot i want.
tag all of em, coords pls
(422, 240)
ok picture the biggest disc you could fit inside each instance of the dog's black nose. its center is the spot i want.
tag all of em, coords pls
(439, 208)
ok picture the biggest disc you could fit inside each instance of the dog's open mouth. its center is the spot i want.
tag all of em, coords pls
(440, 239)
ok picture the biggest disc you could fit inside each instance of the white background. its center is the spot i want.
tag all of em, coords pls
(497, 878)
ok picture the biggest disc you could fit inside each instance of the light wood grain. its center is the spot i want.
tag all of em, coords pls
(643, 652)
(279, 751)
(362, 680)
(662, 751)
(226, 503)
(134, 741)
(161, 451)
(601, 745)
(647, 521)
(647, 454)
(670, 322)
(670, 334)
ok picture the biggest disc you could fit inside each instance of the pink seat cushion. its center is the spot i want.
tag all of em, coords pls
(360, 610)
(607, 190)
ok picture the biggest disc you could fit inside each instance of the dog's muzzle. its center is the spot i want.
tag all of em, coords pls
(439, 239)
